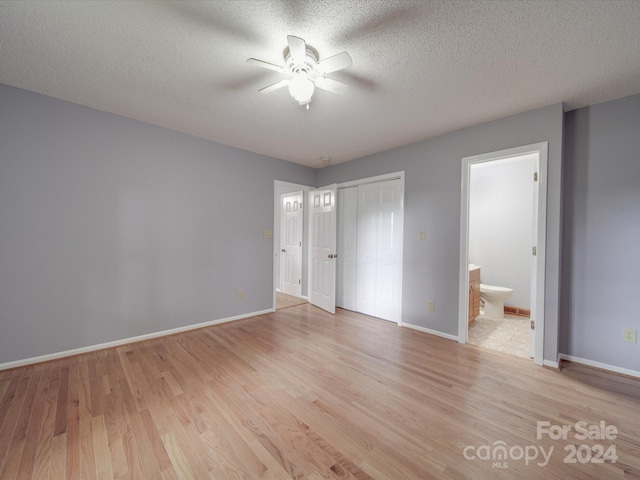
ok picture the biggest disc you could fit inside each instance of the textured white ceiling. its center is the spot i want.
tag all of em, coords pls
(420, 68)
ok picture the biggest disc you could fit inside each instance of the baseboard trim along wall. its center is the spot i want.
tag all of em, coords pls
(431, 332)
(163, 333)
(124, 341)
(602, 366)
(517, 311)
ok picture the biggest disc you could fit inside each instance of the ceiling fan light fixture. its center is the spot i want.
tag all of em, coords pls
(301, 88)
(305, 71)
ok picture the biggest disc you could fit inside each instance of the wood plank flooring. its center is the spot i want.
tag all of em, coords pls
(285, 301)
(303, 394)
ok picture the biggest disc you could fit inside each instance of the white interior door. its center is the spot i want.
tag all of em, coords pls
(322, 232)
(347, 248)
(291, 244)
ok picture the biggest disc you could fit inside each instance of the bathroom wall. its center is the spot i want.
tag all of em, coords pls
(501, 224)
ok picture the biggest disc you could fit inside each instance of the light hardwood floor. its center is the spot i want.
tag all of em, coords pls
(285, 301)
(303, 394)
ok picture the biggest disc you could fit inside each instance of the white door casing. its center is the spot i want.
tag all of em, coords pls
(291, 244)
(280, 188)
(538, 270)
(322, 234)
(346, 245)
(534, 260)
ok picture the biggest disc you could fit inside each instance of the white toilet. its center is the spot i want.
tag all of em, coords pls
(494, 298)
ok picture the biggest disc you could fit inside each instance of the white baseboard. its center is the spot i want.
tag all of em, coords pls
(303, 297)
(124, 341)
(430, 332)
(603, 366)
(551, 363)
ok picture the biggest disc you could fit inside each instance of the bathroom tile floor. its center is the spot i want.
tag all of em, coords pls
(508, 335)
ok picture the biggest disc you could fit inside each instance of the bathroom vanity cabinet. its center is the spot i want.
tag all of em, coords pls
(474, 293)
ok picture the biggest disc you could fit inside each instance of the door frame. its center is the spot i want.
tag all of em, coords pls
(279, 188)
(541, 149)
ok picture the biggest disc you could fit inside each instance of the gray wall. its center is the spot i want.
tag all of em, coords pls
(432, 202)
(601, 263)
(112, 228)
(501, 224)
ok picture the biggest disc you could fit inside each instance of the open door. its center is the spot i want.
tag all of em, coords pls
(323, 253)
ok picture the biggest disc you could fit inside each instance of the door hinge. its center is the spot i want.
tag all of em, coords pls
(534, 250)
(300, 243)
(533, 324)
(299, 281)
(535, 176)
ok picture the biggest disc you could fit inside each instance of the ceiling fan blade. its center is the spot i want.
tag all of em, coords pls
(334, 63)
(298, 49)
(330, 85)
(263, 64)
(275, 86)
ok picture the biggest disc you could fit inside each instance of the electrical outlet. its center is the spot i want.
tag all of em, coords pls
(629, 335)
(431, 306)
(239, 294)
(421, 235)
(266, 234)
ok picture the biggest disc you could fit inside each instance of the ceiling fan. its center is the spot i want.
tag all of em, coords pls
(305, 72)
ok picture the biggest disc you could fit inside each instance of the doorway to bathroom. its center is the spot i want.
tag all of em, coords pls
(502, 250)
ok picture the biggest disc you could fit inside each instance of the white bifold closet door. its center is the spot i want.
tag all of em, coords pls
(378, 249)
(347, 236)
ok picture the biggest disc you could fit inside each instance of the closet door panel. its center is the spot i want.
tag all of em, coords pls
(367, 249)
(389, 250)
(347, 248)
